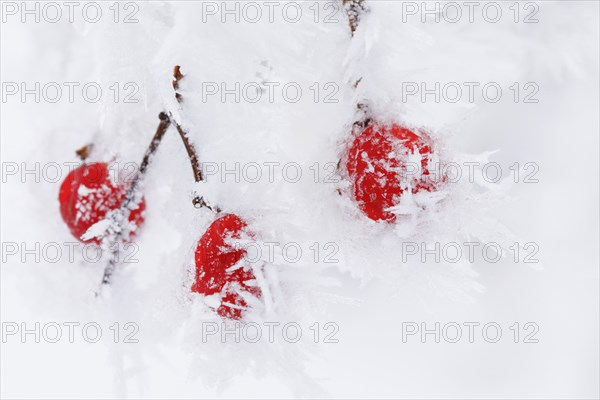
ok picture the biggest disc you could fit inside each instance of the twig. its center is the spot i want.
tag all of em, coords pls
(363, 118)
(177, 75)
(198, 201)
(163, 125)
(84, 152)
(191, 151)
(189, 147)
(354, 9)
(121, 216)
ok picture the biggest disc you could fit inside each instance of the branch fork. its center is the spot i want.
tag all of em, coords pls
(118, 230)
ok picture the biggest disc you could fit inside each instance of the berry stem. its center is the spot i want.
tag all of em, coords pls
(163, 125)
(84, 152)
(189, 147)
(198, 201)
(191, 151)
(353, 9)
(115, 234)
(114, 239)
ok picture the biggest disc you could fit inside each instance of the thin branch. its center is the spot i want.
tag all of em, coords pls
(191, 151)
(189, 147)
(198, 201)
(354, 9)
(363, 117)
(121, 216)
(177, 76)
(84, 152)
(163, 125)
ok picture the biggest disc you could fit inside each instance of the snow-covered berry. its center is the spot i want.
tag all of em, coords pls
(220, 267)
(383, 162)
(88, 194)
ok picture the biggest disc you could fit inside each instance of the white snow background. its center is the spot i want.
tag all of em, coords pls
(370, 292)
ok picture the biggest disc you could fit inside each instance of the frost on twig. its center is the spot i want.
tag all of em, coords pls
(198, 201)
(117, 230)
(189, 147)
(354, 9)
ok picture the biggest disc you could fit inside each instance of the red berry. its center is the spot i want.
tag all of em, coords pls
(220, 269)
(376, 162)
(88, 194)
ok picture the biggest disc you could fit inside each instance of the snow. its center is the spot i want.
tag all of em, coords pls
(97, 230)
(368, 289)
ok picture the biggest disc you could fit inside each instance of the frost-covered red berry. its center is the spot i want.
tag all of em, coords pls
(382, 163)
(220, 267)
(88, 194)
